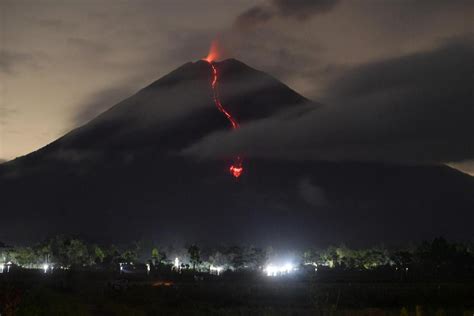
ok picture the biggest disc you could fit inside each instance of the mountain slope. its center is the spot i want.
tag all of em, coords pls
(121, 176)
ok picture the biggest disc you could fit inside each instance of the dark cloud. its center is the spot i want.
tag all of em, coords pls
(255, 15)
(88, 47)
(6, 114)
(296, 9)
(448, 66)
(303, 8)
(306, 55)
(416, 108)
(11, 61)
(188, 45)
(54, 24)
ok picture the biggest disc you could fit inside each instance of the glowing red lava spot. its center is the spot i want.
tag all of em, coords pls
(236, 171)
(213, 52)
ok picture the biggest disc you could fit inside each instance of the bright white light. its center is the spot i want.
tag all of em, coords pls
(45, 267)
(288, 267)
(216, 270)
(2, 266)
(275, 270)
(176, 263)
(148, 268)
(314, 264)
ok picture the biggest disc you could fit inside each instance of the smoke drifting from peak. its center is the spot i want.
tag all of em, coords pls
(295, 9)
(421, 114)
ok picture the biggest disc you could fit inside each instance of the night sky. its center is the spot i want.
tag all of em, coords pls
(396, 76)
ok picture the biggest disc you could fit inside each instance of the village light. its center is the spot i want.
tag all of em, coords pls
(276, 270)
(216, 270)
(176, 263)
(314, 264)
(45, 267)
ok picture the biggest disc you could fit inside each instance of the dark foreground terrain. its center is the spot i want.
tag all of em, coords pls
(108, 293)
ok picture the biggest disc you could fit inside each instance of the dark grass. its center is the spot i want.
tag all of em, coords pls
(86, 293)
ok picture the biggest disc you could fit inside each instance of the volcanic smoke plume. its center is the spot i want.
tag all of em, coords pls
(236, 168)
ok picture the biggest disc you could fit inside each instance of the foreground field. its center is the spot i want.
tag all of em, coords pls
(80, 293)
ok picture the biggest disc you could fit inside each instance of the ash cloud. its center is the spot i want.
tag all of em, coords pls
(417, 108)
(11, 61)
(295, 9)
(303, 8)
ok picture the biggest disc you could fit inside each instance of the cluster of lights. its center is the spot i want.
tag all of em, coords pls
(277, 270)
(122, 265)
(216, 269)
(5, 267)
(314, 264)
(270, 270)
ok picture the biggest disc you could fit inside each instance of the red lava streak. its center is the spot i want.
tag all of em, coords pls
(217, 101)
(236, 168)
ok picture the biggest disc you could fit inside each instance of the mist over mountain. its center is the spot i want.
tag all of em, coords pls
(127, 174)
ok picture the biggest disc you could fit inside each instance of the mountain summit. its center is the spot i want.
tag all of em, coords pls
(122, 174)
(179, 108)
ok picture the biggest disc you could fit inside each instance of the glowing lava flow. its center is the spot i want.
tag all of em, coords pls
(236, 168)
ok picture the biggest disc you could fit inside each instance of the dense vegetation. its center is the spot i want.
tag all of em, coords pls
(435, 259)
(433, 277)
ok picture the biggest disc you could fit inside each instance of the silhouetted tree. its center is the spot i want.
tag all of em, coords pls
(237, 257)
(155, 256)
(99, 255)
(254, 258)
(194, 255)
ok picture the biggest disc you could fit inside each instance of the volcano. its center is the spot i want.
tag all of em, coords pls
(123, 176)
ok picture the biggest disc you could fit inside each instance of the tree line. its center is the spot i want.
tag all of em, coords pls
(435, 257)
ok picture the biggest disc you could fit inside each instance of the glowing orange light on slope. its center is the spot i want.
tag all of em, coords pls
(236, 168)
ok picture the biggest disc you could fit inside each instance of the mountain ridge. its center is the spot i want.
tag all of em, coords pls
(121, 174)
